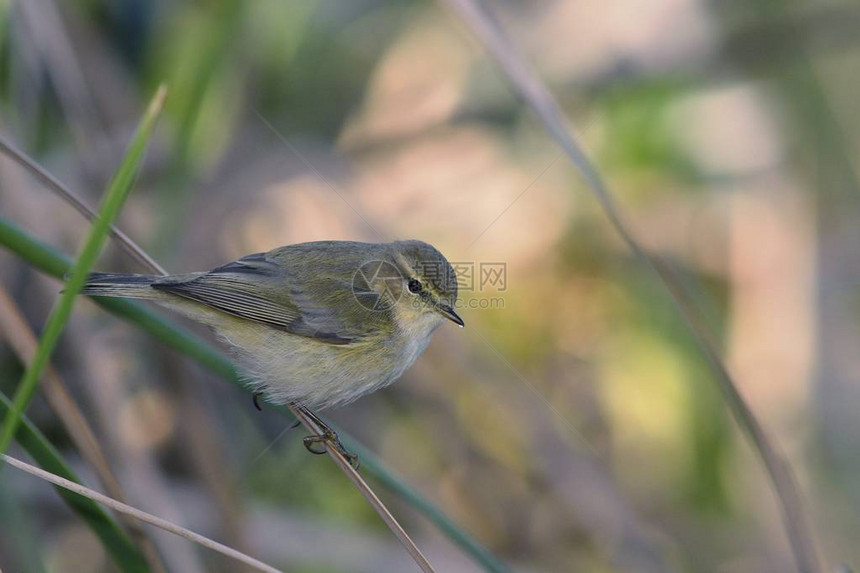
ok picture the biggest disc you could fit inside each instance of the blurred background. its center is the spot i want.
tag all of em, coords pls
(573, 425)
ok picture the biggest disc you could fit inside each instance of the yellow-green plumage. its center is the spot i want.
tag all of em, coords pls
(319, 323)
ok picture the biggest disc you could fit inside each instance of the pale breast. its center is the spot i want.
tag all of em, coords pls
(290, 368)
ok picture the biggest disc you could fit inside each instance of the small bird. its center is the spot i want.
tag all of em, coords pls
(315, 324)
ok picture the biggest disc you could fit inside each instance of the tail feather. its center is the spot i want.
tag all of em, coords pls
(129, 286)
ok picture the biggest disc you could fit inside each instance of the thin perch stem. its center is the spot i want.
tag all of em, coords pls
(367, 492)
(138, 514)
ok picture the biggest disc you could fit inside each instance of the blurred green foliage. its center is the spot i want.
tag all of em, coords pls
(576, 428)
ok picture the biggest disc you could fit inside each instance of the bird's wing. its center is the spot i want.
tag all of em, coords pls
(256, 288)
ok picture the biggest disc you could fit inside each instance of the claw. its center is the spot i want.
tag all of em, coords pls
(315, 444)
(318, 444)
(256, 403)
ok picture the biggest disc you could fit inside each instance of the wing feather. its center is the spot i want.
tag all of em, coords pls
(258, 289)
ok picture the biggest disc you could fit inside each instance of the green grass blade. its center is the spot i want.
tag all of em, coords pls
(118, 545)
(49, 261)
(115, 196)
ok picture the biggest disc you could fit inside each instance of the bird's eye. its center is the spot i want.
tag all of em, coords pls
(414, 286)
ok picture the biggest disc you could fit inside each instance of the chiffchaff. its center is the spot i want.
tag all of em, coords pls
(315, 324)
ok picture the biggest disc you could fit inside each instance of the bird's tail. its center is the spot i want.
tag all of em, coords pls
(128, 286)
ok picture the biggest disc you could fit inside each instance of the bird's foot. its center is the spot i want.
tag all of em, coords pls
(318, 444)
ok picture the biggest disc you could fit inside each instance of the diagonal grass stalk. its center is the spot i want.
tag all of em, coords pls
(115, 196)
(143, 516)
(535, 94)
(122, 240)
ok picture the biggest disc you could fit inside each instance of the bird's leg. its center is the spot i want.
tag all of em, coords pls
(317, 444)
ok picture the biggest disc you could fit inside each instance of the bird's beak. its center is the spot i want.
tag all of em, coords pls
(449, 313)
